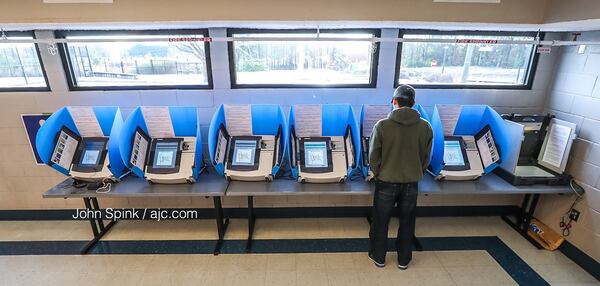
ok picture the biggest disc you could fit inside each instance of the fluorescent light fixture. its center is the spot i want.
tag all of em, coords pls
(77, 1)
(469, 1)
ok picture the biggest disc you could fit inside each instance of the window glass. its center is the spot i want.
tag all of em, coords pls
(454, 64)
(304, 62)
(20, 66)
(137, 63)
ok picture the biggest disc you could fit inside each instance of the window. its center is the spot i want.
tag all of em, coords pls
(20, 65)
(281, 63)
(132, 60)
(466, 65)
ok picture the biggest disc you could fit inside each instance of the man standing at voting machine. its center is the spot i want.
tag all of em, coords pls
(399, 154)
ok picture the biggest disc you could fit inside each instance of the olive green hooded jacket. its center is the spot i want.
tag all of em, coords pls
(400, 147)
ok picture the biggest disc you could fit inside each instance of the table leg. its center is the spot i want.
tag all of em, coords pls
(221, 224)
(98, 227)
(97, 207)
(523, 211)
(530, 212)
(524, 217)
(251, 223)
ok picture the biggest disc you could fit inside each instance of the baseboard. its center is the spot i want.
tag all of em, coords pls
(287, 212)
(580, 258)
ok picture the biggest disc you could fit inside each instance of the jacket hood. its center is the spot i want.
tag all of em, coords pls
(405, 116)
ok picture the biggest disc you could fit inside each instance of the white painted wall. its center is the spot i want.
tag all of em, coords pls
(22, 182)
(575, 96)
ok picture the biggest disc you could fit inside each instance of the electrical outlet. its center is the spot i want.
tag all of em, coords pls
(574, 215)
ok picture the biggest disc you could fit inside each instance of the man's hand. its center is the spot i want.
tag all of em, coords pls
(370, 177)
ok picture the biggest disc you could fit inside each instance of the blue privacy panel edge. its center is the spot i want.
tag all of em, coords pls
(185, 120)
(291, 124)
(500, 132)
(213, 130)
(266, 119)
(361, 120)
(46, 137)
(334, 121)
(110, 121)
(437, 144)
(134, 120)
(437, 154)
(475, 117)
(117, 166)
(355, 140)
(469, 121)
(185, 123)
(199, 158)
(106, 118)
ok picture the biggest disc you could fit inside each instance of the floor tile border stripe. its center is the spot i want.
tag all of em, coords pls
(518, 269)
(581, 258)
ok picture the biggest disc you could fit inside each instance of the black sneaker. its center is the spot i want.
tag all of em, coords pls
(380, 265)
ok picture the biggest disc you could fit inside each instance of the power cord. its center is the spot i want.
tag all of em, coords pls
(106, 186)
(566, 220)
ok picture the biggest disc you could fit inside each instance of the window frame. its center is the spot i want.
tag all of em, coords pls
(71, 79)
(233, 74)
(39, 55)
(532, 66)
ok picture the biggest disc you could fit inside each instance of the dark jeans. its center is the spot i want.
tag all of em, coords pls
(387, 195)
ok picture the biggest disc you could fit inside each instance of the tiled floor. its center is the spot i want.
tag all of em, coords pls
(427, 268)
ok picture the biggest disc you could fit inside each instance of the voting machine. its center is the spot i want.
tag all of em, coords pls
(542, 148)
(246, 141)
(324, 143)
(163, 144)
(80, 142)
(475, 141)
(369, 116)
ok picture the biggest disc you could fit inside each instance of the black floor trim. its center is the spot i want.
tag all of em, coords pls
(289, 212)
(522, 273)
(581, 258)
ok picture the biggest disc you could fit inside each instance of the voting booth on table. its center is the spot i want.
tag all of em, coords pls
(162, 144)
(324, 143)
(476, 141)
(541, 148)
(82, 142)
(247, 142)
(370, 114)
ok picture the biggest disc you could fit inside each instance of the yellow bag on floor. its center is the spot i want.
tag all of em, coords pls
(544, 235)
